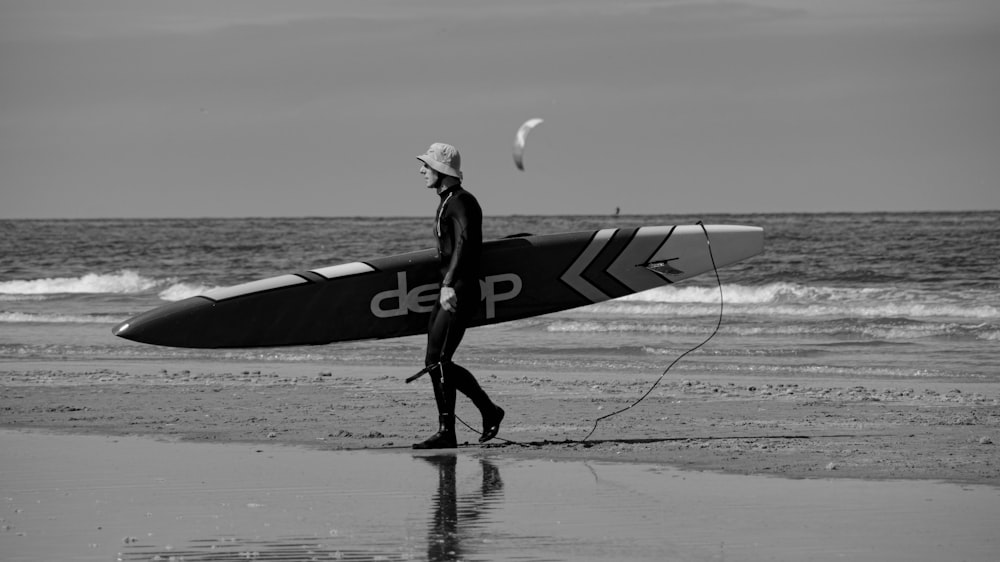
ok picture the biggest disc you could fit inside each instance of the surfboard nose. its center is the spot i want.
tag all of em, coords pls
(176, 324)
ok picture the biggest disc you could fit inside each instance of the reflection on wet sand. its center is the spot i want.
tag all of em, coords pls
(71, 497)
(452, 515)
(444, 539)
(290, 549)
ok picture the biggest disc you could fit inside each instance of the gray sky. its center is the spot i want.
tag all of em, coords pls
(141, 108)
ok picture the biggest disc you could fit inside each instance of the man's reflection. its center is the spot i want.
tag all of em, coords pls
(443, 540)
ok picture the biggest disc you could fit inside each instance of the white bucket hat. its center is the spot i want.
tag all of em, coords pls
(444, 159)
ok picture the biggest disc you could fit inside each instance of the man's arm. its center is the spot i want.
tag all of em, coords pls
(460, 231)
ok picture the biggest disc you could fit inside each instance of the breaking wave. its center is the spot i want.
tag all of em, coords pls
(121, 282)
(889, 329)
(124, 282)
(789, 299)
(27, 317)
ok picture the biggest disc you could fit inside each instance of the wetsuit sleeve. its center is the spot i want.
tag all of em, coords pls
(460, 247)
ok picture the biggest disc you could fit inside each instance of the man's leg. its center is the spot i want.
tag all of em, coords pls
(444, 334)
(445, 436)
(444, 394)
(460, 378)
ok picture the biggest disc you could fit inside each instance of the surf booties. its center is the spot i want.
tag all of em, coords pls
(447, 380)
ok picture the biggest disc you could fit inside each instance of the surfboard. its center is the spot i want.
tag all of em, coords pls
(392, 296)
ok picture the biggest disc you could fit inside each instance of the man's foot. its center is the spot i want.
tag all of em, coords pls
(440, 440)
(491, 425)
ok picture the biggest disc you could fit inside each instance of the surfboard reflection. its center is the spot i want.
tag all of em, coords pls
(451, 514)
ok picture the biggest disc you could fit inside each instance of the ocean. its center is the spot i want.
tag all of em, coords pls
(905, 296)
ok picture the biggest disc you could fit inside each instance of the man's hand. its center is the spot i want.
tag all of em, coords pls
(449, 300)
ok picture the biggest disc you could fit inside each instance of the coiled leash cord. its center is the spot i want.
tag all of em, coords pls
(718, 325)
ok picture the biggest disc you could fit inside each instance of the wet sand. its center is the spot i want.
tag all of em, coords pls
(72, 497)
(803, 428)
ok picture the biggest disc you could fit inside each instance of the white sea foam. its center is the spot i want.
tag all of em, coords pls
(789, 299)
(801, 310)
(881, 331)
(885, 310)
(789, 293)
(993, 335)
(181, 291)
(614, 327)
(733, 293)
(5, 297)
(120, 282)
(25, 317)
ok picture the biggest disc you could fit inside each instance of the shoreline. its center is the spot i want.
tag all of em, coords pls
(736, 424)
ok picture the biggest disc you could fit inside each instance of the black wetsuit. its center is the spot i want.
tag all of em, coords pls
(459, 233)
(458, 230)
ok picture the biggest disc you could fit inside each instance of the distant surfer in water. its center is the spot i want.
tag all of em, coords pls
(458, 228)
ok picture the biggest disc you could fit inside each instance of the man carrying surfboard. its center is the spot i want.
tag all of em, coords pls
(458, 228)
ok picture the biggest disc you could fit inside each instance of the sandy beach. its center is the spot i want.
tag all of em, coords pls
(807, 428)
(135, 461)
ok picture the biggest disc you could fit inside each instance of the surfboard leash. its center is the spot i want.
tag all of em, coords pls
(718, 325)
